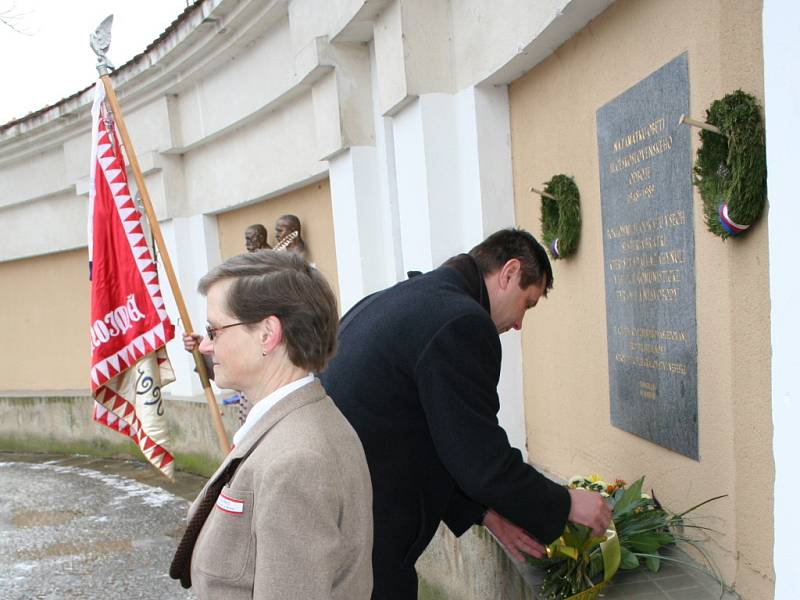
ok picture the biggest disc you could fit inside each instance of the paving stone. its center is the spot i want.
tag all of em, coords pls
(80, 528)
(638, 589)
(696, 593)
(676, 582)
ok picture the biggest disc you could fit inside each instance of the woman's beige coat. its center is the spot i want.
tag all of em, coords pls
(296, 519)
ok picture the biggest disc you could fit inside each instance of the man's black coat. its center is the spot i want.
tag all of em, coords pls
(416, 374)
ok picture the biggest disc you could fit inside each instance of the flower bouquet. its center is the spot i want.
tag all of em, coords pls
(578, 565)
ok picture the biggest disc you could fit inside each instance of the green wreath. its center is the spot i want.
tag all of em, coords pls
(561, 216)
(731, 169)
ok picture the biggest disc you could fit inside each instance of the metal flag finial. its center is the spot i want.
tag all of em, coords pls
(100, 41)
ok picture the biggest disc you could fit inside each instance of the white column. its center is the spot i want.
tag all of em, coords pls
(454, 188)
(193, 246)
(426, 162)
(782, 98)
(487, 191)
(365, 212)
(358, 224)
(387, 182)
(412, 188)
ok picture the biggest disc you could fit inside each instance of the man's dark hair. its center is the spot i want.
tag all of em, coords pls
(284, 285)
(500, 247)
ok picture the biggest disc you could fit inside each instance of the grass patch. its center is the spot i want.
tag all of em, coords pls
(29, 401)
(199, 464)
(98, 448)
(189, 462)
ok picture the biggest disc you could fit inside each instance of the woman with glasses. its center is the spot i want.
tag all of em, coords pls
(289, 512)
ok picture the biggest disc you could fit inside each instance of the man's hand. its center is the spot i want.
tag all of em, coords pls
(191, 340)
(589, 508)
(515, 539)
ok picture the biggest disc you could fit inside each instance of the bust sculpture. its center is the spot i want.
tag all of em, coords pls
(255, 238)
(287, 234)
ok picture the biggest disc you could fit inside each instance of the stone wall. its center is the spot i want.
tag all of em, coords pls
(472, 567)
(64, 424)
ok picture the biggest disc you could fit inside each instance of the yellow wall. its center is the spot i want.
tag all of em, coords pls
(44, 319)
(311, 204)
(553, 122)
(44, 301)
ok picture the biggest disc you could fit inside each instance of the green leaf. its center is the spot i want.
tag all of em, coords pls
(565, 552)
(595, 565)
(629, 500)
(575, 535)
(696, 506)
(653, 563)
(664, 538)
(614, 499)
(648, 541)
(647, 547)
(628, 560)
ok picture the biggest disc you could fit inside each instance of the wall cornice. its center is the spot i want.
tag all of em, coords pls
(203, 37)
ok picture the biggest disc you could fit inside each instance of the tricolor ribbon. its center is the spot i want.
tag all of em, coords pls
(554, 249)
(727, 223)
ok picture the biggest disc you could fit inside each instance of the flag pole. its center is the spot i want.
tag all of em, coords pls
(100, 42)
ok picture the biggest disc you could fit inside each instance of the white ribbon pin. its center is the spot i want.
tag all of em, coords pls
(230, 505)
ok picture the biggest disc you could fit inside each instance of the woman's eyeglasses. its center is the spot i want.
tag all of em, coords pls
(213, 332)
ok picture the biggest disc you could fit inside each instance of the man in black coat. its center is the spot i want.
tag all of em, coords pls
(416, 374)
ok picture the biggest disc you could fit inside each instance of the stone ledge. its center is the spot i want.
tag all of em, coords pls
(476, 567)
(63, 424)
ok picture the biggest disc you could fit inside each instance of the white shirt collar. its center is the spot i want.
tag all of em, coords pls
(260, 408)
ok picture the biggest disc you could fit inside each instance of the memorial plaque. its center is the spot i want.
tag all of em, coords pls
(648, 245)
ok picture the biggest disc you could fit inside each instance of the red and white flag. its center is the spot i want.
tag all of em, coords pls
(129, 324)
